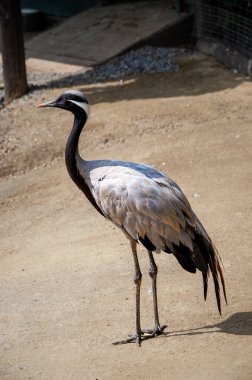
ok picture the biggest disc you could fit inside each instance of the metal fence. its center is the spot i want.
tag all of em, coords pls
(227, 21)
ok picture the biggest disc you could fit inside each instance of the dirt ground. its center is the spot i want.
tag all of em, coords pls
(67, 274)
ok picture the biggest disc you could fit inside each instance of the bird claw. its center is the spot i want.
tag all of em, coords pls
(138, 338)
(158, 330)
(131, 339)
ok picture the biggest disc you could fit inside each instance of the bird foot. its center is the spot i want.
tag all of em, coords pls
(138, 338)
(158, 330)
(131, 339)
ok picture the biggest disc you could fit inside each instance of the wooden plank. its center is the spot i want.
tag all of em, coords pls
(100, 33)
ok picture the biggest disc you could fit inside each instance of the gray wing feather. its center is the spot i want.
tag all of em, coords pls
(143, 205)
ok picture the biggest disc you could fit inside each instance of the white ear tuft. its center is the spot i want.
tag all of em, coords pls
(83, 105)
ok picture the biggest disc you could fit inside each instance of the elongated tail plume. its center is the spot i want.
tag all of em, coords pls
(215, 266)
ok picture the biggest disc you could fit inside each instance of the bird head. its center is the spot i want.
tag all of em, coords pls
(70, 100)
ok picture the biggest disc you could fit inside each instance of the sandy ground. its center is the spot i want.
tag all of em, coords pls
(66, 273)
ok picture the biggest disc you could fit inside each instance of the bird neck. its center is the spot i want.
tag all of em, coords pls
(72, 157)
(72, 151)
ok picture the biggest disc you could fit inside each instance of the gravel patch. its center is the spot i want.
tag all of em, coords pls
(147, 59)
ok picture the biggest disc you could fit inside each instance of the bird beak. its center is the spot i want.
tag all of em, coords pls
(47, 104)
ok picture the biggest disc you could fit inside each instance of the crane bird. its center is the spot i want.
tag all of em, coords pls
(148, 207)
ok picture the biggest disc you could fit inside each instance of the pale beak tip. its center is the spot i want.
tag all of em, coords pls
(47, 104)
(40, 105)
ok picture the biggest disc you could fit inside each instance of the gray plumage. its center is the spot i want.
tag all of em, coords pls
(144, 202)
(140, 200)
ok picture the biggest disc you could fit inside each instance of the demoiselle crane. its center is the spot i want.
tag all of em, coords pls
(148, 207)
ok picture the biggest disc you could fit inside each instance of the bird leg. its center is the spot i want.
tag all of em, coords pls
(139, 336)
(153, 270)
(137, 280)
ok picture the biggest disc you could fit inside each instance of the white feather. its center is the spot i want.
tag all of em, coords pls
(83, 105)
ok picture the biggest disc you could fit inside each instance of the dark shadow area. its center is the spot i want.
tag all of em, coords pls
(237, 324)
(196, 76)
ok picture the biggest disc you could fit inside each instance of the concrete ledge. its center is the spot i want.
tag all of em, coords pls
(229, 57)
(52, 66)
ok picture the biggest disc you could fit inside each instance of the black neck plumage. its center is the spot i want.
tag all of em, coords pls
(72, 155)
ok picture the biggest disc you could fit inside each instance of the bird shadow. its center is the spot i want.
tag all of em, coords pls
(236, 324)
